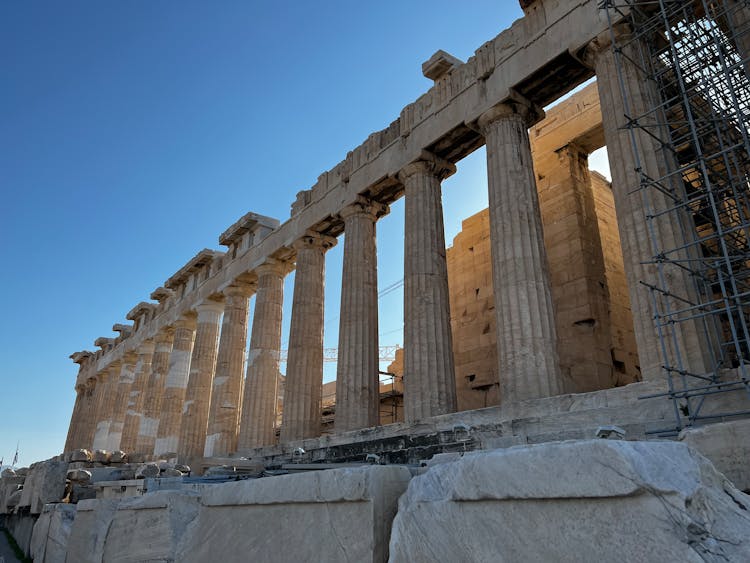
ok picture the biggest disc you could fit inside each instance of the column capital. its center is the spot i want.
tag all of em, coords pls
(364, 206)
(188, 320)
(240, 289)
(146, 347)
(165, 335)
(311, 239)
(428, 163)
(129, 357)
(210, 306)
(517, 105)
(276, 267)
(603, 43)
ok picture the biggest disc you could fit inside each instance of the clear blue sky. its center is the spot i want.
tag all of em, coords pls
(133, 133)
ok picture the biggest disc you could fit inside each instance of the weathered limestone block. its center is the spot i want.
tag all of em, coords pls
(89, 530)
(111, 473)
(149, 528)
(49, 540)
(727, 446)
(79, 475)
(45, 483)
(594, 500)
(281, 518)
(118, 457)
(81, 455)
(147, 470)
(81, 491)
(102, 456)
(13, 499)
(8, 486)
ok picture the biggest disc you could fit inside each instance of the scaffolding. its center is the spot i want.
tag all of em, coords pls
(693, 112)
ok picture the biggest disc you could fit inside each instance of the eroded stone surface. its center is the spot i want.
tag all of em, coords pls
(282, 518)
(727, 445)
(149, 528)
(49, 540)
(45, 483)
(596, 500)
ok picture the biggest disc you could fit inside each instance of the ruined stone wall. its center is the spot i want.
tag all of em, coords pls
(473, 314)
(624, 354)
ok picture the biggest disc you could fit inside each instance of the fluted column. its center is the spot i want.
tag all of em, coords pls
(429, 371)
(526, 335)
(357, 379)
(120, 405)
(304, 376)
(101, 418)
(154, 392)
(136, 398)
(168, 435)
(226, 396)
(102, 439)
(631, 213)
(198, 392)
(260, 394)
(71, 441)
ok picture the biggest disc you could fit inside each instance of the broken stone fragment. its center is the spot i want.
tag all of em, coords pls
(147, 470)
(182, 468)
(14, 498)
(118, 457)
(80, 455)
(221, 470)
(81, 492)
(79, 475)
(101, 456)
(630, 501)
(171, 472)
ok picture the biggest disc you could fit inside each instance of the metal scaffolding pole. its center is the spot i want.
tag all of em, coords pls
(694, 58)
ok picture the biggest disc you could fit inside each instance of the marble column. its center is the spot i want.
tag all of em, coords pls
(120, 404)
(149, 426)
(260, 394)
(357, 377)
(102, 439)
(168, 434)
(198, 393)
(526, 335)
(429, 371)
(89, 427)
(631, 212)
(136, 398)
(304, 375)
(71, 441)
(101, 418)
(226, 396)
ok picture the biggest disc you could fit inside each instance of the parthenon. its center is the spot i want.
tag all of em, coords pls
(177, 381)
(570, 306)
